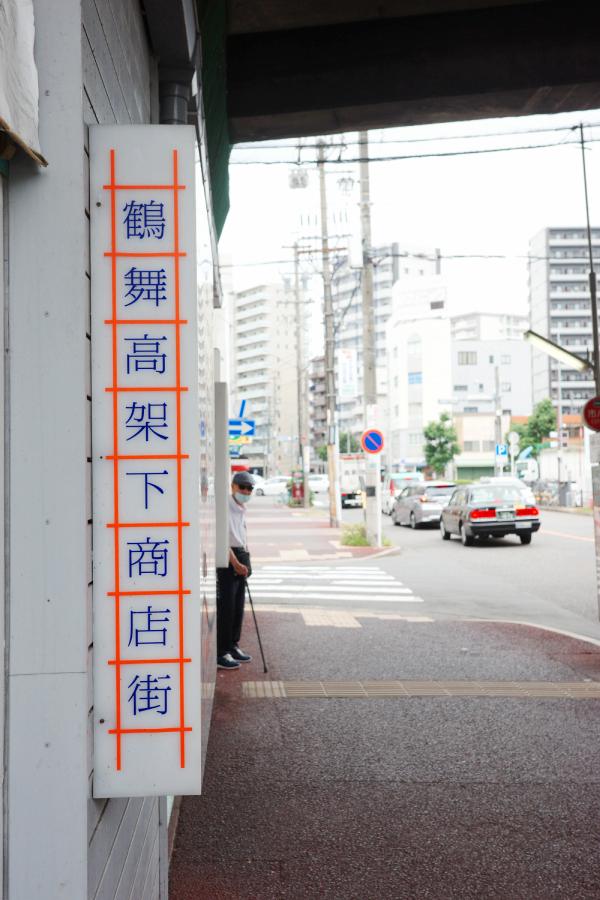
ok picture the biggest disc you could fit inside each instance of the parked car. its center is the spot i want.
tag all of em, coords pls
(393, 483)
(274, 486)
(492, 509)
(422, 503)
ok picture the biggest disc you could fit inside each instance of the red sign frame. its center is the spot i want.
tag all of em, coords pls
(591, 414)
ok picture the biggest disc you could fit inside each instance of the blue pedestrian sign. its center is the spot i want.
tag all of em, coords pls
(501, 450)
(372, 441)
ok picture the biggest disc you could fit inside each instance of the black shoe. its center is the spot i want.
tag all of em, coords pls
(238, 654)
(227, 662)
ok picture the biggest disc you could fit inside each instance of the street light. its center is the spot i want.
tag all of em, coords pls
(579, 363)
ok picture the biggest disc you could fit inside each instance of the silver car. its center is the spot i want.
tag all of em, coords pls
(422, 504)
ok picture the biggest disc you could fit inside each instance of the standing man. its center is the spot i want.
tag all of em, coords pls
(231, 582)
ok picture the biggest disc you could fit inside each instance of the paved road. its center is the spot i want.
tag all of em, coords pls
(551, 582)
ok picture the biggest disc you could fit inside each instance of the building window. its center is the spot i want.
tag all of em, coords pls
(505, 360)
(415, 377)
(491, 360)
(461, 387)
(471, 409)
(506, 387)
(415, 437)
(467, 358)
(436, 304)
(471, 446)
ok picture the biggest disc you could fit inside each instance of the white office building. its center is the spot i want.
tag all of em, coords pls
(431, 372)
(477, 326)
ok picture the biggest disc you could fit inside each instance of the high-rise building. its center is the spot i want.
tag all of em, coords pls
(392, 263)
(264, 370)
(559, 299)
(317, 406)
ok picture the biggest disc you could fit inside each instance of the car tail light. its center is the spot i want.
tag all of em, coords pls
(483, 514)
(528, 511)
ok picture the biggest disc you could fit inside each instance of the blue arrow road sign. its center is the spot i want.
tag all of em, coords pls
(501, 450)
(241, 427)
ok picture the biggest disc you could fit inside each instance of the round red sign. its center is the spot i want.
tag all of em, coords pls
(591, 414)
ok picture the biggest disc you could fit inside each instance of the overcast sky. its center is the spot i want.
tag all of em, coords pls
(488, 203)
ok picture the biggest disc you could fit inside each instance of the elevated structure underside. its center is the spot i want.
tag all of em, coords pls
(324, 66)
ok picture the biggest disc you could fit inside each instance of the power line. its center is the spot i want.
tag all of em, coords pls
(399, 157)
(414, 140)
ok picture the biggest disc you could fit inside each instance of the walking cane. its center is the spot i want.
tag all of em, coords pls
(256, 626)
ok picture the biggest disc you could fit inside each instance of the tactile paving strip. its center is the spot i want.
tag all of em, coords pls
(377, 690)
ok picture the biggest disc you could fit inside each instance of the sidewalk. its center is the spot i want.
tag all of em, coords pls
(396, 761)
(288, 534)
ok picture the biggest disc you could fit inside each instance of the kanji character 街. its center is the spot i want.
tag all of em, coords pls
(147, 695)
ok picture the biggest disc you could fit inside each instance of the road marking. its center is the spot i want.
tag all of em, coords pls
(572, 537)
(385, 690)
(368, 584)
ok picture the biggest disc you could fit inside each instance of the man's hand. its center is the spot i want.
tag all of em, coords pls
(239, 569)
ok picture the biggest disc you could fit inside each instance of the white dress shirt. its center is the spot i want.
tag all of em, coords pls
(237, 525)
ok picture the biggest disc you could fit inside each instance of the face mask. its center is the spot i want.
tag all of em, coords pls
(241, 498)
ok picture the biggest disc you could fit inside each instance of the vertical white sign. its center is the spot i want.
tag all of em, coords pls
(146, 432)
(347, 373)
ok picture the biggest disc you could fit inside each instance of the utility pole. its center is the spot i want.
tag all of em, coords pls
(373, 478)
(498, 419)
(330, 395)
(302, 418)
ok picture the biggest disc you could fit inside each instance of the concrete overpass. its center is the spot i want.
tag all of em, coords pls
(324, 66)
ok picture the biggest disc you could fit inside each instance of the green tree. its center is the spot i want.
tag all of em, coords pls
(441, 443)
(348, 442)
(538, 427)
(322, 453)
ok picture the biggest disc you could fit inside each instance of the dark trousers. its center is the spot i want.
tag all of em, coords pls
(231, 590)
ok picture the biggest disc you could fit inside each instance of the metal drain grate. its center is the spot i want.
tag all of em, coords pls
(377, 690)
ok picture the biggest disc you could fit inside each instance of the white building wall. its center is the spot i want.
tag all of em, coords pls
(94, 66)
(474, 365)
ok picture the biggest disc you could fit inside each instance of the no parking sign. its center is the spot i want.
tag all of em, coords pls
(372, 441)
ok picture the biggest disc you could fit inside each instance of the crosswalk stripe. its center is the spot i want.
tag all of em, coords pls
(364, 584)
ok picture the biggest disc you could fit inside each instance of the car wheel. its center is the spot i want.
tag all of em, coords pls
(445, 534)
(466, 540)
(525, 538)
(412, 521)
(259, 492)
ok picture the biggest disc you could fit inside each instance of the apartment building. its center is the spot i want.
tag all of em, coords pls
(264, 371)
(392, 263)
(559, 298)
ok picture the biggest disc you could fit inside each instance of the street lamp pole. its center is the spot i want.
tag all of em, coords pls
(592, 275)
(330, 394)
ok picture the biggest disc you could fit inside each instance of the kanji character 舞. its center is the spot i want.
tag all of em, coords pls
(145, 284)
(144, 220)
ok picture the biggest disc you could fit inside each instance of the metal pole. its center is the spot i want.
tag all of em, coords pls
(498, 420)
(372, 511)
(262, 652)
(592, 275)
(300, 379)
(559, 421)
(330, 394)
